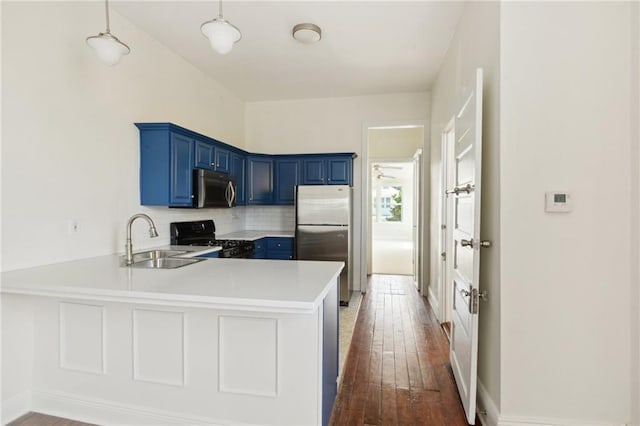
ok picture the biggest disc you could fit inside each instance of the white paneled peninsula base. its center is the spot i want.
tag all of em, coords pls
(223, 341)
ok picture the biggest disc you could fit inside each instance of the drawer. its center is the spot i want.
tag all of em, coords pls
(279, 243)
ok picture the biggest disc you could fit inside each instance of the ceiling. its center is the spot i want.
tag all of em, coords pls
(367, 47)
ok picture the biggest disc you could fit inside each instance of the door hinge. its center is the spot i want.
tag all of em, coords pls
(475, 299)
(443, 255)
(443, 226)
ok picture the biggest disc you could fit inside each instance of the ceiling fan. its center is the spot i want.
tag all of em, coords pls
(380, 174)
(377, 167)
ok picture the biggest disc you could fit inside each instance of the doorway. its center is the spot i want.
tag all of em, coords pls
(387, 146)
(392, 217)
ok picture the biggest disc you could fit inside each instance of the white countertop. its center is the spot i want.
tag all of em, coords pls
(254, 234)
(237, 284)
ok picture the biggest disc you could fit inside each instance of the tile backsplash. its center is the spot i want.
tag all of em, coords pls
(266, 218)
(269, 218)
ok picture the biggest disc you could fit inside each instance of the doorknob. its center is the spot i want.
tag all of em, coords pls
(471, 243)
(458, 189)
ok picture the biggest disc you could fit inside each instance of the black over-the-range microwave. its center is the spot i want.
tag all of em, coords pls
(213, 189)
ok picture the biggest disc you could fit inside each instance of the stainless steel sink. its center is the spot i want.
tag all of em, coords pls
(165, 263)
(159, 259)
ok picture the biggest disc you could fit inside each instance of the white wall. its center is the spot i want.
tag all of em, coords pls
(475, 44)
(565, 278)
(69, 146)
(329, 125)
(393, 143)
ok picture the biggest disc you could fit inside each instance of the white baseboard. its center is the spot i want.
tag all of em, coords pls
(434, 302)
(539, 421)
(15, 407)
(92, 410)
(490, 415)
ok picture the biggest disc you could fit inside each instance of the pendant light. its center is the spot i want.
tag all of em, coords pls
(221, 33)
(107, 46)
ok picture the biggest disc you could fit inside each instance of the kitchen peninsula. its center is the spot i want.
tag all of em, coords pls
(221, 341)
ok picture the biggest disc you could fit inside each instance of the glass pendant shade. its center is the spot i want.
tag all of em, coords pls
(221, 34)
(108, 48)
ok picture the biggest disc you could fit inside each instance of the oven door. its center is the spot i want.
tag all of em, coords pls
(213, 189)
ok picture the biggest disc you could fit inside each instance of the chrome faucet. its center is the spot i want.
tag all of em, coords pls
(152, 233)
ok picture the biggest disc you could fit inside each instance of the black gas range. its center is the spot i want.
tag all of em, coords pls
(203, 233)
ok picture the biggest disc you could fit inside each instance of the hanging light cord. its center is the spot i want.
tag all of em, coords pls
(106, 11)
(219, 8)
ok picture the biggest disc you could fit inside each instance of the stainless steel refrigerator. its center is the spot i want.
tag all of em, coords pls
(323, 228)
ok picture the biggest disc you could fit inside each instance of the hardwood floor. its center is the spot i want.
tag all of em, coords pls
(37, 419)
(397, 371)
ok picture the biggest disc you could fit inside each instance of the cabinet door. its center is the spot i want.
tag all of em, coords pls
(286, 178)
(181, 176)
(238, 166)
(222, 160)
(314, 171)
(260, 249)
(339, 171)
(280, 248)
(204, 155)
(260, 180)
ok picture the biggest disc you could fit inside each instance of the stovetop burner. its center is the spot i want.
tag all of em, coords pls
(202, 233)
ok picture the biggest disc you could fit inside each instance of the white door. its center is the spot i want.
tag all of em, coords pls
(466, 242)
(417, 197)
(445, 284)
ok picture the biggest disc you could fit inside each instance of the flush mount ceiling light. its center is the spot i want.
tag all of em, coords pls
(307, 33)
(221, 33)
(107, 46)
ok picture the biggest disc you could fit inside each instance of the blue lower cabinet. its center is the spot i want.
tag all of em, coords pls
(260, 249)
(329, 352)
(211, 255)
(279, 248)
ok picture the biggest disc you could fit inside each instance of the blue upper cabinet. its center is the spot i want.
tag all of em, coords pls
(238, 170)
(287, 176)
(328, 169)
(314, 171)
(339, 170)
(181, 171)
(204, 155)
(212, 157)
(259, 179)
(222, 160)
(169, 153)
(166, 164)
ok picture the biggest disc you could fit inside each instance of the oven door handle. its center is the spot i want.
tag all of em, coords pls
(230, 194)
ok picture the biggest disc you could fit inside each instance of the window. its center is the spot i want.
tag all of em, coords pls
(387, 204)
